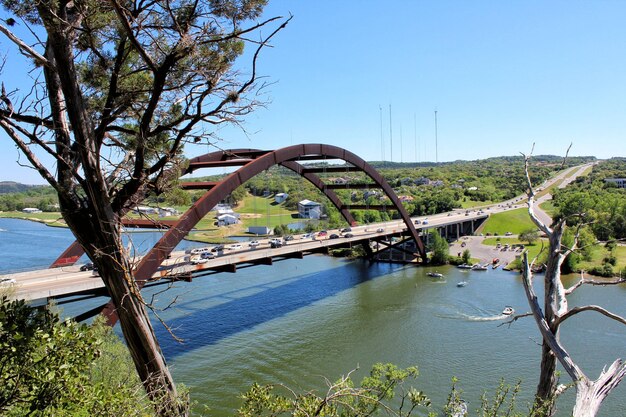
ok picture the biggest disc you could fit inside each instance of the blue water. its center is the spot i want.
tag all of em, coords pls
(29, 245)
(300, 320)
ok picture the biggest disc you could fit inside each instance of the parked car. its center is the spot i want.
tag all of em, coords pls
(334, 236)
(87, 267)
(508, 234)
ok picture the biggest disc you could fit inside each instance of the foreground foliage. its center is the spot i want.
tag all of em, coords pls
(54, 368)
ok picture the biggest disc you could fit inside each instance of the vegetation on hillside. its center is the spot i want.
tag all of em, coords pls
(54, 368)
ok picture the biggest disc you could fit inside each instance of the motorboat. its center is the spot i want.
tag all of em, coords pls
(435, 274)
(461, 283)
(464, 266)
(479, 267)
(508, 310)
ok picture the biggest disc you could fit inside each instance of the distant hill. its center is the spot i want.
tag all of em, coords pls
(13, 187)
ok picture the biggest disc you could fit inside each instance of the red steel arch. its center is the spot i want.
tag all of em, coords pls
(252, 162)
(255, 162)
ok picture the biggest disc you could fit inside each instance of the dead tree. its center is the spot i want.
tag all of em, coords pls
(114, 91)
(589, 393)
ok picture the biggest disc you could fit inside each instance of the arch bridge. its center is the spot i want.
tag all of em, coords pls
(251, 162)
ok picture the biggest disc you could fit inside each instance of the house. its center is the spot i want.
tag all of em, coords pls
(340, 181)
(167, 212)
(405, 198)
(422, 181)
(30, 210)
(146, 210)
(308, 209)
(620, 182)
(260, 230)
(369, 193)
(280, 197)
(226, 220)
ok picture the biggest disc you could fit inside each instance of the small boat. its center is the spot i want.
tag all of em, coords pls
(461, 283)
(508, 310)
(495, 266)
(464, 266)
(435, 274)
(479, 267)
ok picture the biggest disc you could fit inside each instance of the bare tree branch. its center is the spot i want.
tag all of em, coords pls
(576, 310)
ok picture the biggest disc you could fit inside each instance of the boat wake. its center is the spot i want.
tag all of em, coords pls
(480, 315)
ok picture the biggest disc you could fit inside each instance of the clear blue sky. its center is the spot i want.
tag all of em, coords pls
(501, 75)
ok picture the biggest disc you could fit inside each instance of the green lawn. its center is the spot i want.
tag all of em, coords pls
(51, 219)
(548, 207)
(472, 204)
(514, 221)
(263, 206)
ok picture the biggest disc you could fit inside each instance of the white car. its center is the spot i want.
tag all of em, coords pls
(198, 260)
(253, 243)
(236, 246)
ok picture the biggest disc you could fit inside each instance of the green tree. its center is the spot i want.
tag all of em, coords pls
(54, 368)
(342, 398)
(114, 92)
(467, 256)
(529, 235)
(440, 249)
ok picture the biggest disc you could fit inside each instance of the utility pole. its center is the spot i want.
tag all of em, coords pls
(436, 144)
(382, 146)
(390, 135)
(415, 135)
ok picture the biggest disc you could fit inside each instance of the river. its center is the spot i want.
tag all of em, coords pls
(301, 320)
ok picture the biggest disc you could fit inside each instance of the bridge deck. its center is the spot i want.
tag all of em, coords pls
(64, 281)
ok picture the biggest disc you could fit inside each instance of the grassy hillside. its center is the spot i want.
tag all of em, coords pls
(514, 221)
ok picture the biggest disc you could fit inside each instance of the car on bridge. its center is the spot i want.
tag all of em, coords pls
(253, 243)
(235, 246)
(348, 235)
(86, 267)
(198, 260)
(333, 236)
(322, 233)
(208, 255)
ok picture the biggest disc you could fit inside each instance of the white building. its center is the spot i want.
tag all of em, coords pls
(260, 230)
(226, 220)
(308, 209)
(280, 197)
(30, 210)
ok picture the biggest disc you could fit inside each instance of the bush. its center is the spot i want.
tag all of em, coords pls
(54, 368)
(606, 270)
